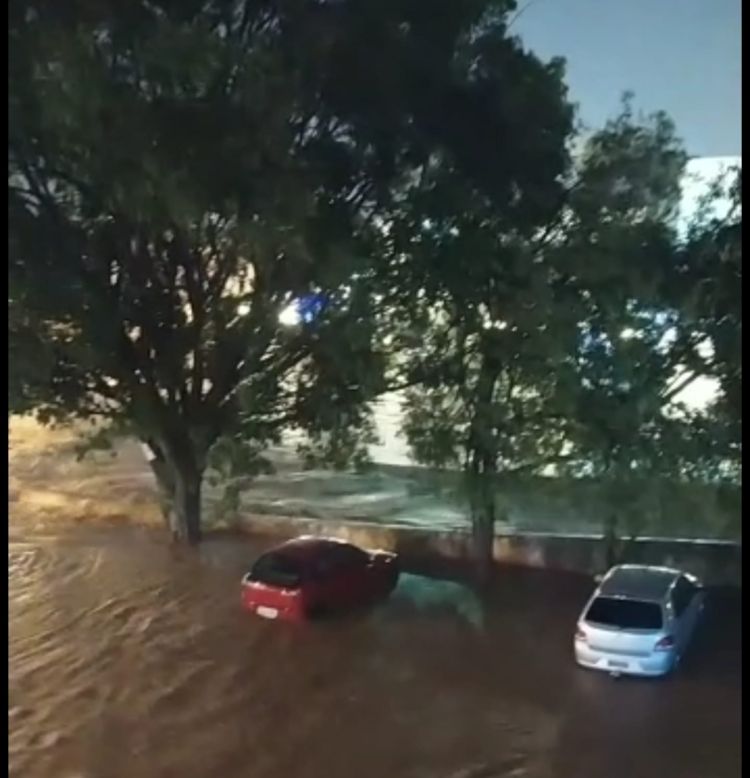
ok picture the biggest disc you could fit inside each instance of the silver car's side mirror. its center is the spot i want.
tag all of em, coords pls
(599, 577)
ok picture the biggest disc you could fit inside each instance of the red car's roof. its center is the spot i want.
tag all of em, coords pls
(306, 547)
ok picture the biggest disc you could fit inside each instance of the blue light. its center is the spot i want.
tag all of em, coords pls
(310, 307)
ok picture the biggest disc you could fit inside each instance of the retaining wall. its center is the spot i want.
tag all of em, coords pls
(715, 562)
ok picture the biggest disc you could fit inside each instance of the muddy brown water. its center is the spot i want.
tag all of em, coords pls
(131, 658)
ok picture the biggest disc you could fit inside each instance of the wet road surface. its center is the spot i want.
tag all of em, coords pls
(131, 658)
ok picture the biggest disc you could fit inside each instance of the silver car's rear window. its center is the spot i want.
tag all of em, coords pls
(624, 614)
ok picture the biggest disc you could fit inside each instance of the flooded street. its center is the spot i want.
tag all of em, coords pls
(128, 657)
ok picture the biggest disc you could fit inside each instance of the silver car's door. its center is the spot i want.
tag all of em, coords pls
(694, 609)
(679, 600)
(687, 600)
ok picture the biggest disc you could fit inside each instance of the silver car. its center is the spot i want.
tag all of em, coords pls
(639, 620)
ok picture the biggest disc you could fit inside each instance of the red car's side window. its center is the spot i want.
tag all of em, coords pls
(338, 560)
(349, 558)
(325, 566)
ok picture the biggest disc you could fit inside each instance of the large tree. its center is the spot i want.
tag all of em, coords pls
(556, 343)
(707, 291)
(661, 313)
(181, 171)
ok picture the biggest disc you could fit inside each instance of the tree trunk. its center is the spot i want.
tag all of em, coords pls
(483, 540)
(482, 471)
(187, 505)
(482, 518)
(164, 480)
(179, 480)
(611, 541)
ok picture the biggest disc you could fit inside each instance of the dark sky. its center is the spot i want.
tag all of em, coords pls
(682, 56)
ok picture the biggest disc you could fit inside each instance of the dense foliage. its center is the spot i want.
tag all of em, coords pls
(179, 172)
(568, 348)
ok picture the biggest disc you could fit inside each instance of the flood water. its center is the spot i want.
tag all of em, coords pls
(131, 658)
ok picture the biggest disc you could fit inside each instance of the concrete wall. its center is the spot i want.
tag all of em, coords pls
(717, 563)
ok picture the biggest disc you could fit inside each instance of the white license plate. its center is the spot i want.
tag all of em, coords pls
(267, 613)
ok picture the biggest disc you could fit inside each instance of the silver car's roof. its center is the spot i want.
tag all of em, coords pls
(638, 582)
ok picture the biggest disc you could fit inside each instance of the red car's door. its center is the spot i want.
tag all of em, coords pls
(343, 576)
(355, 580)
(321, 583)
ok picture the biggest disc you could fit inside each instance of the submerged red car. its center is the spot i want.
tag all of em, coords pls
(309, 575)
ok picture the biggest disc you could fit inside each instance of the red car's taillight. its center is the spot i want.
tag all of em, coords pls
(665, 644)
